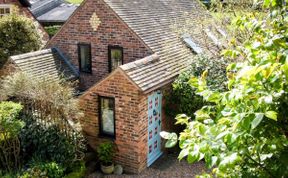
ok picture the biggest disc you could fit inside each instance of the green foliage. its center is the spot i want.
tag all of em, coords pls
(44, 170)
(52, 30)
(52, 132)
(48, 143)
(243, 132)
(18, 34)
(78, 171)
(9, 122)
(179, 100)
(10, 126)
(32, 90)
(106, 152)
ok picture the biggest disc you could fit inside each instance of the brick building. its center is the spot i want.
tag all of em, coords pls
(6, 7)
(128, 53)
(133, 55)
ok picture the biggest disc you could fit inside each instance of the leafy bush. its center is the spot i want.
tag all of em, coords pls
(183, 98)
(106, 152)
(48, 143)
(10, 126)
(29, 90)
(43, 170)
(18, 34)
(77, 171)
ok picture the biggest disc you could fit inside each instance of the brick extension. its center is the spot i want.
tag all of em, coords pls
(131, 107)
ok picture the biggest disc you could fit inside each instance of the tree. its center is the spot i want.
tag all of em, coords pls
(18, 34)
(243, 133)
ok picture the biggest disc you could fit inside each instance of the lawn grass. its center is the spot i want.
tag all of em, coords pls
(75, 1)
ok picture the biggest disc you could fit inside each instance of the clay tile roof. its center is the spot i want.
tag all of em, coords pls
(49, 64)
(152, 21)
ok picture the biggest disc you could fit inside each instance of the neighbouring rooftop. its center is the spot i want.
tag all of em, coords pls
(52, 11)
(49, 64)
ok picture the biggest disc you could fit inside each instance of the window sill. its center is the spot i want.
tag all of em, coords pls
(105, 136)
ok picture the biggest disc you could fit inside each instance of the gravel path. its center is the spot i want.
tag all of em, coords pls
(165, 167)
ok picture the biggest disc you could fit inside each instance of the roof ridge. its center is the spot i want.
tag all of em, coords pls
(141, 62)
(31, 54)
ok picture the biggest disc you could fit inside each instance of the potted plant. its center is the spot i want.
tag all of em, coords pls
(106, 152)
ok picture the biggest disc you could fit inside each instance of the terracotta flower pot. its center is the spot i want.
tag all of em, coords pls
(107, 169)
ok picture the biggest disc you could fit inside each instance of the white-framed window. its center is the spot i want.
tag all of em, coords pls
(5, 9)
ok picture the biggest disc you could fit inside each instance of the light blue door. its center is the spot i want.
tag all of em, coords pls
(154, 127)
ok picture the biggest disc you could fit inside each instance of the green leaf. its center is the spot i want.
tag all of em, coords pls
(193, 157)
(171, 138)
(182, 119)
(257, 120)
(183, 153)
(165, 135)
(271, 115)
(170, 143)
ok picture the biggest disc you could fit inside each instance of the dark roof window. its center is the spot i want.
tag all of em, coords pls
(191, 44)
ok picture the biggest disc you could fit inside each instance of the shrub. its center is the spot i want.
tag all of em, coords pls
(52, 96)
(18, 34)
(48, 143)
(77, 171)
(10, 127)
(43, 170)
(183, 98)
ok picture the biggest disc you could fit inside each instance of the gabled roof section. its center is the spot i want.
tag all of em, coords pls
(25, 3)
(49, 64)
(152, 21)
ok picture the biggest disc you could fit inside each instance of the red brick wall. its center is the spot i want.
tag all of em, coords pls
(25, 11)
(128, 126)
(131, 119)
(7, 69)
(112, 31)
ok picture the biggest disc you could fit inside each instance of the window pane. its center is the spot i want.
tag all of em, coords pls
(85, 54)
(2, 11)
(7, 11)
(116, 58)
(107, 116)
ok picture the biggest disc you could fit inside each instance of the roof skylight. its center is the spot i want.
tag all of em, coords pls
(191, 44)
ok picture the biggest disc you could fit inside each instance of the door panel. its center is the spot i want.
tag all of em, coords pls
(154, 127)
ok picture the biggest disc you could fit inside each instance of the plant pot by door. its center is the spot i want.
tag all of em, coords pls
(107, 169)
